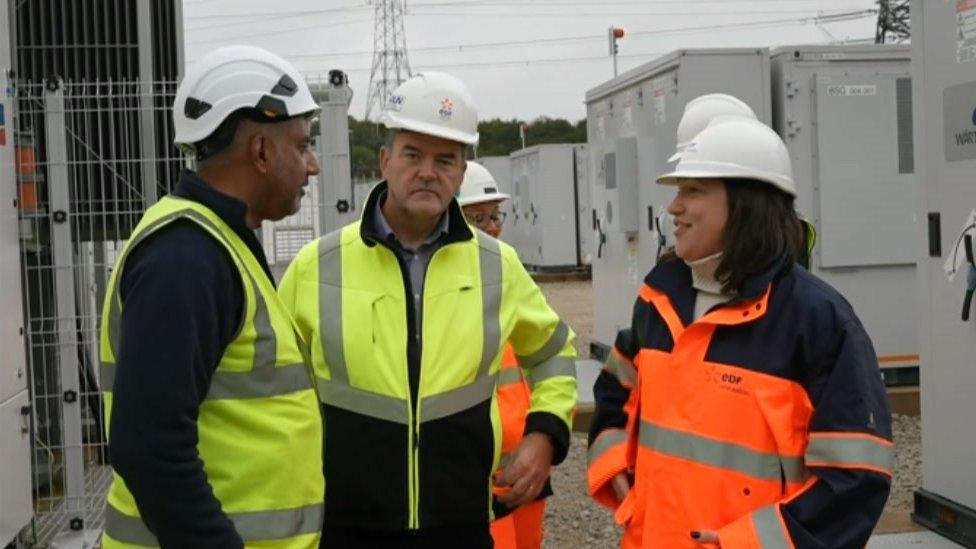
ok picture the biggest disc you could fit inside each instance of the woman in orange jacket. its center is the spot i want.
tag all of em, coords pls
(523, 527)
(744, 407)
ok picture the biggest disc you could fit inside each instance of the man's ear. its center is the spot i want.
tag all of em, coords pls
(259, 151)
(385, 156)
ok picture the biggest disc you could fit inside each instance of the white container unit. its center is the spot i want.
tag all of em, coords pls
(550, 206)
(845, 114)
(16, 508)
(944, 99)
(632, 122)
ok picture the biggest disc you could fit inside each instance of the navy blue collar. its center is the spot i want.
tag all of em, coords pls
(673, 278)
(454, 227)
(440, 231)
(230, 210)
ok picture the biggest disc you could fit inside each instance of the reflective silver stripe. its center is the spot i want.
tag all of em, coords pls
(456, 400)
(849, 452)
(252, 526)
(509, 376)
(366, 403)
(330, 305)
(769, 530)
(625, 372)
(228, 385)
(490, 259)
(264, 379)
(106, 375)
(555, 366)
(115, 317)
(265, 340)
(279, 524)
(604, 442)
(126, 529)
(724, 455)
(550, 349)
(259, 383)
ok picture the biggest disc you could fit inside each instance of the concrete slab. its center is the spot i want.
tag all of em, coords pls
(911, 540)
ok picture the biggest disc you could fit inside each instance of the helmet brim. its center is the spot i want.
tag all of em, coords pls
(497, 197)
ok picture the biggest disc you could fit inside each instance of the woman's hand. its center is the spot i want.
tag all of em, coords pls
(621, 485)
(706, 537)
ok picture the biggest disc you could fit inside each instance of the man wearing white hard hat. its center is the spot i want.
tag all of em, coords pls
(748, 388)
(213, 423)
(523, 528)
(407, 312)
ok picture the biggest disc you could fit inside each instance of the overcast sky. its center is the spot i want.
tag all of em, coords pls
(520, 58)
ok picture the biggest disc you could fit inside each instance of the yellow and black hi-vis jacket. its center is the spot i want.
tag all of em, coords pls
(259, 428)
(402, 451)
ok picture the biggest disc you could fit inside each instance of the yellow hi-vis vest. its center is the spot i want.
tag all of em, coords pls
(261, 405)
(392, 461)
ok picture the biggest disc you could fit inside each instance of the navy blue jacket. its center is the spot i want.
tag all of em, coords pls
(809, 335)
(183, 303)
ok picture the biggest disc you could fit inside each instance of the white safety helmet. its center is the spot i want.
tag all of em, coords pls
(433, 103)
(733, 147)
(479, 186)
(701, 110)
(232, 78)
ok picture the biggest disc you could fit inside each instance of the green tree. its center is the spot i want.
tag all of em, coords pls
(497, 138)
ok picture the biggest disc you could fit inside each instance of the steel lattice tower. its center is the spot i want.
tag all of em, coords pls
(893, 22)
(390, 64)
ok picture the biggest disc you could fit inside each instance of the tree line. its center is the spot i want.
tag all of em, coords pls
(497, 138)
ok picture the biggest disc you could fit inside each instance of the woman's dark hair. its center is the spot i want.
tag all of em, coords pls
(762, 226)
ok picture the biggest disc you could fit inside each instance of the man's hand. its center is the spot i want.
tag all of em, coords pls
(527, 470)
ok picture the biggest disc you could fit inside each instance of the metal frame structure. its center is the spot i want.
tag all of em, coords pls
(94, 83)
(390, 63)
(894, 22)
(334, 199)
(15, 430)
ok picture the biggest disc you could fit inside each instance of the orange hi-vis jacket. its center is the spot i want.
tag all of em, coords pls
(765, 420)
(523, 527)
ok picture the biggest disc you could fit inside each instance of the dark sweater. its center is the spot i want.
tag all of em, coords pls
(183, 301)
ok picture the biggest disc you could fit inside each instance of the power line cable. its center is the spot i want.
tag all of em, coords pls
(624, 14)
(278, 31)
(459, 48)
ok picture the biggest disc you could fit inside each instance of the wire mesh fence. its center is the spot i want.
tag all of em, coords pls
(90, 157)
(284, 238)
(87, 168)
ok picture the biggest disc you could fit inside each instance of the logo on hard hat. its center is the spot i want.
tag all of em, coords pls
(447, 108)
(395, 102)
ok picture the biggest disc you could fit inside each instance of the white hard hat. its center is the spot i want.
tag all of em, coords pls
(701, 110)
(433, 103)
(479, 186)
(733, 147)
(232, 78)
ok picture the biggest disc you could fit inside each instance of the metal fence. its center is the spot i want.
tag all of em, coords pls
(91, 156)
(86, 169)
(283, 239)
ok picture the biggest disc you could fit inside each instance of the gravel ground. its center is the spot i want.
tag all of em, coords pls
(573, 520)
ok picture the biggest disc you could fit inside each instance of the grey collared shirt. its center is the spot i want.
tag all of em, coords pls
(415, 260)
